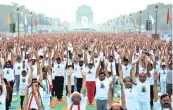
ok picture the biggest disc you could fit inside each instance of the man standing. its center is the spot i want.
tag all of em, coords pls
(18, 69)
(58, 71)
(78, 68)
(164, 103)
(102, 87)
(169, 79)
(143, 93)
(90, 81)
(76, 101)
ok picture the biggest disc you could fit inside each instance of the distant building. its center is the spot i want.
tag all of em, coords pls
(84, 14)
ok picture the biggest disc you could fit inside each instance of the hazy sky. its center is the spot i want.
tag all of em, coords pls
(103, 9)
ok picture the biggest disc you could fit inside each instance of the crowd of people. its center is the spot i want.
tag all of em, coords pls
(89, 65)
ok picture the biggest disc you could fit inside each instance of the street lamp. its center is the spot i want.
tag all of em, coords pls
(123, 23)
(31, 22)
(156, 9)
(40, 23)
(140, 22)
(118, 25)
(18, 20)
(130, 21)
(46, 21)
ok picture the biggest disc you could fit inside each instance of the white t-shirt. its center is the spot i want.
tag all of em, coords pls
(23, 84)
(163, 75)
(90, 74)
(126, 70)
(9, 56)
(78, 70)
(72, 79)
(83, 103)
(59, 69)
(2, 61)
(157, 65)
(18, 68)
(96, 61)
(117, 56)
(70, 48)
(131, 98)
(40, 52)
(151, 78)
(8, 74)
(102, 88)
(143, 91)
(33, 102)
(46, 62)
(34, 73)
(113, 67)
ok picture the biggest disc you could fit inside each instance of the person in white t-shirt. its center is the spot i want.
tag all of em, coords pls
(58, 72)
(126, 67)
(8, 73)
(163, 77)
(102, 88)
(34, 92)
(78, 68)
(76, 101)
(115, 106)
(130, 90)
(90, 81)
(3, 93)
(23, 84)
(143, 91)
(69, 64)
(164, 103)
(17, 71)
(46, 89)
(150, 70)
(111, 65)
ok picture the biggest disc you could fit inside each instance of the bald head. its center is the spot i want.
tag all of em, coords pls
(116, 107)
(76, 98)
(142, 77)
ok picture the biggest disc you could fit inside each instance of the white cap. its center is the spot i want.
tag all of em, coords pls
(163, 63)
(40, 52)
(65, 52)
(142, 70)
(33, 57)
(90, 62)
(95, 50)
(47, 55)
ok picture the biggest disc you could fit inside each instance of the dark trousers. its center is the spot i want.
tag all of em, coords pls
(11, 93)
(72, 89)
(53, 89)
(7, 104)
(79, 84)
(21, 101)
(151, 95)
(59, 81)
(169, 89)
(116, 67)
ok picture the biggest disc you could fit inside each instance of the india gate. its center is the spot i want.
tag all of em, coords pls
(84, 19)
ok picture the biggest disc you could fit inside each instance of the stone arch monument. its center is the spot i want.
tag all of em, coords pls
(84, 15)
